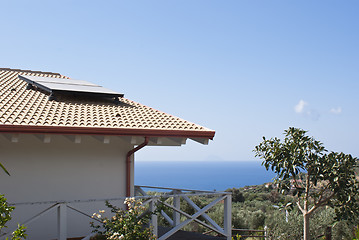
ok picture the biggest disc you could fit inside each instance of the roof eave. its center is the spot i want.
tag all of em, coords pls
(32, 129)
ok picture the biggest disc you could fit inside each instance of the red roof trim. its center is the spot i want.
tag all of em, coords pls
(105, 131)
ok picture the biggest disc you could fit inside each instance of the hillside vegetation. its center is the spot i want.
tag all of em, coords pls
(260, 206)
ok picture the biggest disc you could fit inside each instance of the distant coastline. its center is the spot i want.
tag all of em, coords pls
(201, 175)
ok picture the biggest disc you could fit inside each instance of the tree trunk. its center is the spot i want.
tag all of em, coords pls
(328, 233)
(306, 235)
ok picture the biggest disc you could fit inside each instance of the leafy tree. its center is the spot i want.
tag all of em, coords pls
(315, 177)
(237, 195)
(5, 216)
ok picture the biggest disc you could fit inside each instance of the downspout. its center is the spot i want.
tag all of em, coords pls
(128, 165)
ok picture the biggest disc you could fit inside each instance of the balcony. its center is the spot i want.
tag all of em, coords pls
(174, 216)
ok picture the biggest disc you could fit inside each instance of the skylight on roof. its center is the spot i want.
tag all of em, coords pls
(56, 86)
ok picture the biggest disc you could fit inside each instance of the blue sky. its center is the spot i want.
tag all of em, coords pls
(246, 69)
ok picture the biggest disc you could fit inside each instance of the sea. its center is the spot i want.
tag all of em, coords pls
(201, 175)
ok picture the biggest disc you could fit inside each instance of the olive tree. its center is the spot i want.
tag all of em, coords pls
(314, 176)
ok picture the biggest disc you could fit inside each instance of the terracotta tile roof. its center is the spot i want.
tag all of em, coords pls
(30, 110)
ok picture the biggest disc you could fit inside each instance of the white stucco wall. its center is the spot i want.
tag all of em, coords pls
(61, 170)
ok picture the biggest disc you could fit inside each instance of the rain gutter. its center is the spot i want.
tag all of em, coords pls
(129, 164)
(31, 129)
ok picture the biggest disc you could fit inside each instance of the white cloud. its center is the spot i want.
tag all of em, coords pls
(299, 108)
(337, 110)
(302, 108)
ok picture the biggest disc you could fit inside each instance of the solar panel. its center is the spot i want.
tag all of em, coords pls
(55, 86)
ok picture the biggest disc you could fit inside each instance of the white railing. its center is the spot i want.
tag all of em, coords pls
(61, 208)
(152, 202)
(175, 221)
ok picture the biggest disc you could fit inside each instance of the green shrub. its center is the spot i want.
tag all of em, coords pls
(5, 216)
(125, 224)
(293, 229)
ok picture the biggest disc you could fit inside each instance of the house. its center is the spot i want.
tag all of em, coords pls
(65, 140)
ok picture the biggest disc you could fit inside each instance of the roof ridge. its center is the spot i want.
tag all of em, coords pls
(22, 70)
